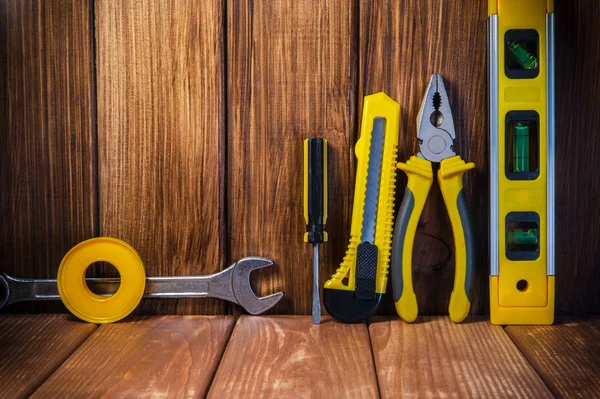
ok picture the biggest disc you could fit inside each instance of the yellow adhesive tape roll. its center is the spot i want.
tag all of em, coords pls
(85, 304)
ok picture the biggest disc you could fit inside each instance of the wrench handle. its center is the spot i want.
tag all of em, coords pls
(18, 290)
(177, 287)
(218, 285)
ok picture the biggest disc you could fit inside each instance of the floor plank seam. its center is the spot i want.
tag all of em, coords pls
(221, 356)
(529, 363)
(373, 359)
(59, 365)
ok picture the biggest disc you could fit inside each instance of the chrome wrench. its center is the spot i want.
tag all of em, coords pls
(231, 284)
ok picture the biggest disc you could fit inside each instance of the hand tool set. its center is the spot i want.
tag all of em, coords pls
(522, 148)
(521, 112)
(521, 131)
(355, 291)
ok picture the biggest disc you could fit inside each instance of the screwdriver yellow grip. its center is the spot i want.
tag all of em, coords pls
(450, 178)
(420, 178)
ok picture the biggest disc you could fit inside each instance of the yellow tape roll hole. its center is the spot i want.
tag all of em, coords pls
(85, 304)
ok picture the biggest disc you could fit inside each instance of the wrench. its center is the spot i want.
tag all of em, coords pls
(231, 284)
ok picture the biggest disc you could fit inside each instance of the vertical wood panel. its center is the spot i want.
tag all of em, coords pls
(47, 139)
(161, 137)
(291, 75)
(577, 152)
(401, 44)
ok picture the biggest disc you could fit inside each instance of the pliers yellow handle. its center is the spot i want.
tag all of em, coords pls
(420, 178)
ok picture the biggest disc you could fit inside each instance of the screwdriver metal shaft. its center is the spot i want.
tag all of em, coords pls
(316, 300)
(315, 209)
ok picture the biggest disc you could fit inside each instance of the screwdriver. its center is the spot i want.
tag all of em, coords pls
(315, 209)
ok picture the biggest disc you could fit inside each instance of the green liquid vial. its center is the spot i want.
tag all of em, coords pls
(522, 56)
(523, 237)
(521, 147)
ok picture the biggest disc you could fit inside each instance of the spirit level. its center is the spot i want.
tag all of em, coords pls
(521, 123)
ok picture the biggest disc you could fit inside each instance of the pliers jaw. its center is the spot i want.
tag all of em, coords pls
(435, 124)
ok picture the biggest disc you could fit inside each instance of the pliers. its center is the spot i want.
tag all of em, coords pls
(436, 136)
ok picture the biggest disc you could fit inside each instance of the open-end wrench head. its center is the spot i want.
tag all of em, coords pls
(243, 290)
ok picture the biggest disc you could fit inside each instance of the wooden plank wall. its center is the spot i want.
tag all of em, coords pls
(161, 137)
(48, 166)
(178, 125)
(291, 75)
(577, 144)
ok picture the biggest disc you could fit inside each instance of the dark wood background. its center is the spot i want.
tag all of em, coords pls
(177, 126)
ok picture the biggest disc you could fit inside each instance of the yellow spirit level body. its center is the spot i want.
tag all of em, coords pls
(521, 99)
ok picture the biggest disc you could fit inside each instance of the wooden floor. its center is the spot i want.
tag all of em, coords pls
(48, 356)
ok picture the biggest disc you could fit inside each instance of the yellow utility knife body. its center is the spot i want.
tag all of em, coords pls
(436, 136)
(354, 292)
(522, 148)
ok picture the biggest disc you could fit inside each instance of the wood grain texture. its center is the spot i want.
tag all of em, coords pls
(33, 346)
(401, 44)
(288, 356)
(161, 137)
(47, 140)
(291, 76)
(144, 357)
(437, 358)
(566, 355)
(577, 146)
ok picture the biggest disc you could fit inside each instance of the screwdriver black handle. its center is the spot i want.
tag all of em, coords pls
(315, 190)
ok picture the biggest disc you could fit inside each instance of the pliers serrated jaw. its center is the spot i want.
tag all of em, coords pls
(435, 125)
